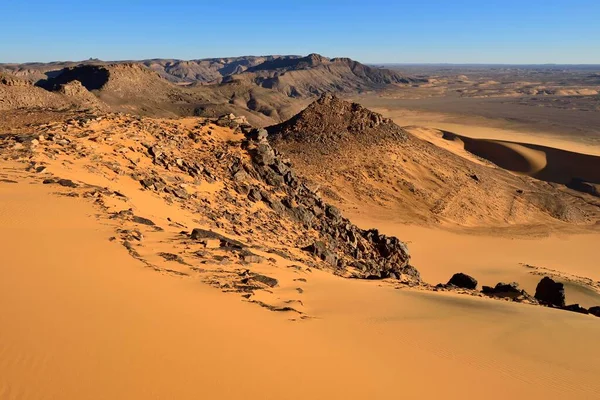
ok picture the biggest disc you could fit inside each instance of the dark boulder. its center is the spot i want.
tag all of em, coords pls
(264, 154)
(463, 281)
(594, 311)
(505, 290)
(576, 308)
(142, 220)
(550, 292)
(61, 182)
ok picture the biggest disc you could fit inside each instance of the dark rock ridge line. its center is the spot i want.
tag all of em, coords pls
(350, 250)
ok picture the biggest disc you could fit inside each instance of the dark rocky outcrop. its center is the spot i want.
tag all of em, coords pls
(550, 293)
(594, 311)
(352, 251)
(463, 281)
(576, 308)
(506, 290)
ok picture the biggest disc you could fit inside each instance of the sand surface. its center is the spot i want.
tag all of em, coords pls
(81, 318)
(487, 128)
(86, 320)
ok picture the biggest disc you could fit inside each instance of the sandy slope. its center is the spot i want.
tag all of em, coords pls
(87, 321)
(82, 319)
(545, 163)
(485, 128)
(506, 255)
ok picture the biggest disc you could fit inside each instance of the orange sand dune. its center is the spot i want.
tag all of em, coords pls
(81, 319)
(541, 162)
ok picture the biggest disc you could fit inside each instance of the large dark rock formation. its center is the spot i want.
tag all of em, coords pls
(550, 292)
(352, 251)
(463, 281)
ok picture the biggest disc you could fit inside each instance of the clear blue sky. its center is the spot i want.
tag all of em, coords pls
(374, 31)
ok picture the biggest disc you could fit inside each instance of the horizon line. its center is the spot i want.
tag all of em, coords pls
(377, 63)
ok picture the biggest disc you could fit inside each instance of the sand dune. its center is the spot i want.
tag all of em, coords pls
(84, 316)
(541, 162)
(88, 321)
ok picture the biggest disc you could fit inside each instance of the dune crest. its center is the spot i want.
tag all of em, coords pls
(576, 170)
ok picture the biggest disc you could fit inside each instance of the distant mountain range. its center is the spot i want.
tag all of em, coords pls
(267, 89)
(213, 70)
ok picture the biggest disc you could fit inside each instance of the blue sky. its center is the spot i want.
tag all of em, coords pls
(373, 31)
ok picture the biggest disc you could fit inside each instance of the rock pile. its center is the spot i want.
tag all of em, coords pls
(341, 244)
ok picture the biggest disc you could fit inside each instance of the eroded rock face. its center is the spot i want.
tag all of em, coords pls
(550, 292)
(463, 281)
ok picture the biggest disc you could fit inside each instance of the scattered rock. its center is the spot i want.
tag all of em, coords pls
(254, 195)
(142, 220)
(61, 182)
(172, 257)
(463, 281)
(320, 250)
(203, 234)
(271, 282)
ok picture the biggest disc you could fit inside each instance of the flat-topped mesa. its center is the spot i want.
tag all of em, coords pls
(330, 120)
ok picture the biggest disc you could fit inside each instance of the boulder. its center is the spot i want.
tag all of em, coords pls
(550, 292)
(261, 135)
(594, 311)
(463, 281)
(505, 290)
(264, 154)
(576, 308)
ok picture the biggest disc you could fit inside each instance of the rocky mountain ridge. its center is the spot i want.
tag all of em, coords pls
(360, 158)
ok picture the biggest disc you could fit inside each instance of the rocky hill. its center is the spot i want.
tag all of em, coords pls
(329, 120)
(213, 70)
(134, 88)
(361, 159)
(210, 193)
